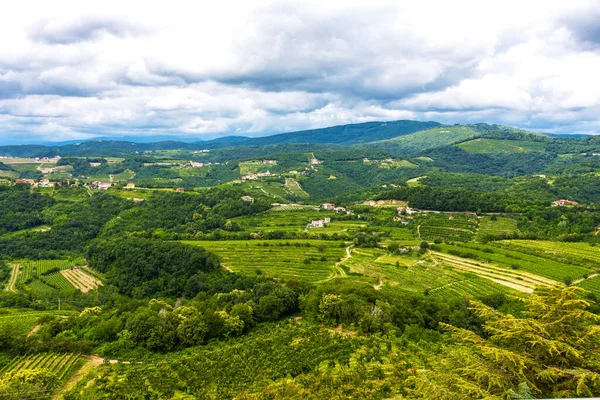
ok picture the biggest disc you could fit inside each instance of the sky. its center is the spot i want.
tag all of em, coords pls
(73, 70)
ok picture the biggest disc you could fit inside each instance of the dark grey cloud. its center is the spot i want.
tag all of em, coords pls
(584, 24)
(81, 30)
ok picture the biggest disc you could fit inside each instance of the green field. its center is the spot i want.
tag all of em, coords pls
(296, 220)
(22, 322)
(59, 282)
(447, 226)
(309, 260)
(294, 188)
(592, 284)
(254, 167)
(500, 254)
(499, 225)
(419, 275)
(493, 146)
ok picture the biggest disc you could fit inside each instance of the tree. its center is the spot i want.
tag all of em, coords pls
(551, 351)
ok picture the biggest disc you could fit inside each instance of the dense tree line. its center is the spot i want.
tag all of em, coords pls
(20, 208)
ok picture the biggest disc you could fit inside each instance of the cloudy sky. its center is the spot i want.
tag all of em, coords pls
(70, 70)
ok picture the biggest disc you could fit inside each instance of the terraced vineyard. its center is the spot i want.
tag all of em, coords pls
(419, 275)
(310, 260)
(58, 282)
(569, 253)
(592, 284)
(63, 365)
(29, 270)
(518, 280)
(496, 253)
(499, 225)
(448, 227)
(80, 279)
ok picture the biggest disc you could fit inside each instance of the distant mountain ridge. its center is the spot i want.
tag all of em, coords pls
(403, 137)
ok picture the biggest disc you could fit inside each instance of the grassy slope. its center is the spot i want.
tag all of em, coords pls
(427, 139)
(494, 146)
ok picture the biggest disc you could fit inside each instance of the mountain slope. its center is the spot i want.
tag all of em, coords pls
(346, 134)
(426, 139)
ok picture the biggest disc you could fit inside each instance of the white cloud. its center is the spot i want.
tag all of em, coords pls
(199, 68)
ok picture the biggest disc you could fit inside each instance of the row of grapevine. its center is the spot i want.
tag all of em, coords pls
(58, 281)
(54, 362)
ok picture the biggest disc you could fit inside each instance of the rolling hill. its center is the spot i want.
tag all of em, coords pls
(426, 139)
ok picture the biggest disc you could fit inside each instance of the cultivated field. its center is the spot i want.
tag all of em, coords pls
(496, 226)
(494, 253)
(418, 274)
(514, 279)
(22, 322)
(80, 279)
(448, 227)
(309, 260)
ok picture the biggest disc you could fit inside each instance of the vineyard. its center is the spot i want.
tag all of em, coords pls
(592, 284)
(448, 227)
(518, 280)
(81, 280)
(496, 226)
(497, 254)
(310, 260)
(21, 323)
(419, 275)
(59, 282)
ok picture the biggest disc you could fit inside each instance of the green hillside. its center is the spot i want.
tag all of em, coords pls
(346, 134)
(427, 139)
(493, 146)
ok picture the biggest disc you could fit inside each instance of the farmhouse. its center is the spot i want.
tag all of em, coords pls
(340, 209)
(326, 220)
(195, 164)
(562, 203)
(366, 160)
(4, 182)
(250, 176)
(103, 185)
(95, 164)
(370, 203)
(261, 174)
(319, 223)
(130, 185)
(247, 198)
(26, 181)
(180, 190)
(314, 161)
(328, 206)
(45, 183)
(270, 162)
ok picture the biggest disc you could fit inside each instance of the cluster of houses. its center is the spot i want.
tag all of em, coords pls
(101, 185)
(314, 161)
(319, 223)
(562, 203)
(332, 207)
(387, 160)
(195, 164)
(252, 176)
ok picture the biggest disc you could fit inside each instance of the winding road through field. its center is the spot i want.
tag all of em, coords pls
(339, 271)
